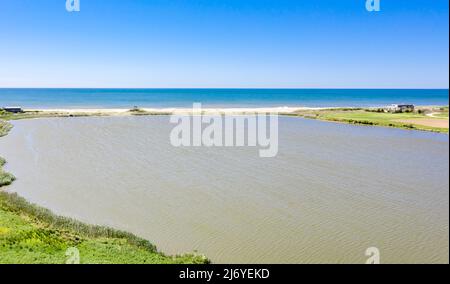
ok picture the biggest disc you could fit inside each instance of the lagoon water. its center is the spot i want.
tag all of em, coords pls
(333, 190)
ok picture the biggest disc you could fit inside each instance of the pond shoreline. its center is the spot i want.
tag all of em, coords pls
(32, 234)
(424, 118)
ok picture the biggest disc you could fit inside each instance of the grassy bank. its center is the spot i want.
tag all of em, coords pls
(6, 116)
(32, 234)
(47, 114)
(423, 118)
(5, 178)
(433, 119)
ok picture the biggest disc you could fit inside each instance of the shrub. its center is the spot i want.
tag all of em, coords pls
(15, 203)
(6, 178)
(4, 127)
(2, 162)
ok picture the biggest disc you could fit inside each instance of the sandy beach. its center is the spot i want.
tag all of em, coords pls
(125, 111)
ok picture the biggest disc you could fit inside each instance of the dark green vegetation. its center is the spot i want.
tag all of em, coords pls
(137, 111)
(32, 234)
(5, 178)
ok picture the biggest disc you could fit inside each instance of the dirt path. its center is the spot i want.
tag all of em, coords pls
(432, 122)
(432, 114)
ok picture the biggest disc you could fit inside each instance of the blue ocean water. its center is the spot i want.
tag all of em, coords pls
(127, 98)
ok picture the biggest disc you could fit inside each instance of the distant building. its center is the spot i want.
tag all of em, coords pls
(13, 109)
(400, 108)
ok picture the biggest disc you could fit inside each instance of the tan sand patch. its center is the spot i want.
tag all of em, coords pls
(431, 122)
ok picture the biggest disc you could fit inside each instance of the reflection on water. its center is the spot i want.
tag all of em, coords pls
(333, 190)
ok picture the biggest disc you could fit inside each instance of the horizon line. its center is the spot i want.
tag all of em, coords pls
(224, 88)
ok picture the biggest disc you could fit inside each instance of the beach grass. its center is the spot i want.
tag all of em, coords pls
(4, 127)
(7, 116)
(51, 114)
(417, 120)
(433, 119)
(32, 234)
(5, 177)
(442, 112)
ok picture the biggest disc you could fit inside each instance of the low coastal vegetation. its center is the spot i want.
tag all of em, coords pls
(423, 118)
(138, 111)
(32, 234)
(48, 114)
(6, 116)
(433, 119)
(5, 178)
(4, 127)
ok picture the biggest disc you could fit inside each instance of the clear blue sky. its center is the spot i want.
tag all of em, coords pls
(224, 43)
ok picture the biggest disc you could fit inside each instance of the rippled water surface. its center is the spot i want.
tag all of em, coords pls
(333, 190)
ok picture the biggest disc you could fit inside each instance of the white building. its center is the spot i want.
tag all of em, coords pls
(400, 108)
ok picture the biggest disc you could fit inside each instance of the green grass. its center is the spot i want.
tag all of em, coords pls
(442, 115)
(38, 114)
(442, 112)
(4, 127)
(5, 178)
(371, 117)
(32, 234)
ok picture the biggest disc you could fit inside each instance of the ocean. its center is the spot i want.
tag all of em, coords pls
(160, 98)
